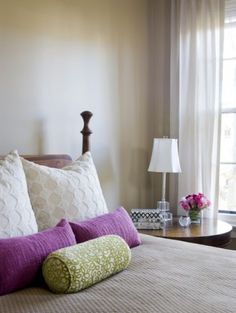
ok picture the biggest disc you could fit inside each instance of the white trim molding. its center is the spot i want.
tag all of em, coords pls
(229, 218)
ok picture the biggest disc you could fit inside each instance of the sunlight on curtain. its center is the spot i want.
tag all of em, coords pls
(227, 177)
(198, 25)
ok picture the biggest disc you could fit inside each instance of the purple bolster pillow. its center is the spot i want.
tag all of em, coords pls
(114, 223)
(22, 257)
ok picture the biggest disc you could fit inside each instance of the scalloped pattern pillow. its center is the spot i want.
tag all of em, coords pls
(75, 268)
(16, 215)
(73, 192)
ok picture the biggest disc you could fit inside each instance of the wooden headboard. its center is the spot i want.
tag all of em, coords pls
(60, 160)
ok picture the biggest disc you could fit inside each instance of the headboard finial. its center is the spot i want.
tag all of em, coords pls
(86, 132)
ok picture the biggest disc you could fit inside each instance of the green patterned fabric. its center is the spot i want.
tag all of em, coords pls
(80, 266)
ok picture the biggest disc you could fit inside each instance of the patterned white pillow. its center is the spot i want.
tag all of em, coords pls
(73, 192)
(16, 215)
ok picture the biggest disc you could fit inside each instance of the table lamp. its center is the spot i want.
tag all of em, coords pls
(164, 159)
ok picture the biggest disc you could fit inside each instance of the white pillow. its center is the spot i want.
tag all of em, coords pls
(16, 214)
(73, 192)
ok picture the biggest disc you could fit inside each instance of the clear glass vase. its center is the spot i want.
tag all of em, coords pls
(195, 216)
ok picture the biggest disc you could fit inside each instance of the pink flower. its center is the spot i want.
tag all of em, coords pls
(194, 202)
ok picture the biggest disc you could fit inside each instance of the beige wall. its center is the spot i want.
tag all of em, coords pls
(159, 76)
(60, 57)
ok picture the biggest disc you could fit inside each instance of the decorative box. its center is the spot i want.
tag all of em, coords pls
(146, 218)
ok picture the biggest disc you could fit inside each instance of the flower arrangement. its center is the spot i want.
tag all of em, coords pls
(194, 202)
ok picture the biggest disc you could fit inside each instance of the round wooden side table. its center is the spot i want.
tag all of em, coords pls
(211, 232)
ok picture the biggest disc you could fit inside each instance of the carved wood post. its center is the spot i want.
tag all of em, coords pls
(86, 132)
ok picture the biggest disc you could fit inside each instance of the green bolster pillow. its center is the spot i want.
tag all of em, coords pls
(80, 266)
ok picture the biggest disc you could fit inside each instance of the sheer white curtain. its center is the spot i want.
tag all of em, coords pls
(196, 61)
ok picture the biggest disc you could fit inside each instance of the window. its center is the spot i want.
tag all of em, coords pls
(227, 180)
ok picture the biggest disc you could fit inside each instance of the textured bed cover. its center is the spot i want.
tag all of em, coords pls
(165, 276)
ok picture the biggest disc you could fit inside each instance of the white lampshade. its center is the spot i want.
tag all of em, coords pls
(165, 157)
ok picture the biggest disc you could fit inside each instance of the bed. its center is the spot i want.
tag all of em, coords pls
(164, 275)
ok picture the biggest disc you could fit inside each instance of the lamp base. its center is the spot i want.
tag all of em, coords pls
(164, 208)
